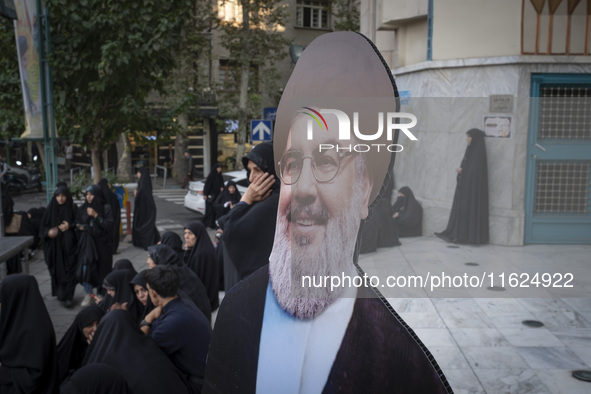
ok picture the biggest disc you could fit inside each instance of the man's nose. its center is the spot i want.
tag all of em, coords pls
(305, 187)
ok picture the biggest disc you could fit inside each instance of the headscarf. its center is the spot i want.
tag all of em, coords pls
(174, 241)
(95, 379)
(119, 281)
(27, 338)
(201, 259)
(139, 280)
(144, 184)
(190, 284)
(124, 264)
(72, 347)
(98, 202)
(55, 214)
(262, 156)
(118, 342)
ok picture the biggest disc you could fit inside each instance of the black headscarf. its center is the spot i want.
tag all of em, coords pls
(124, 264)
(214, 182)
(174, 241)
(202, 260)
(97, 203)
(249, 230)
(95, 379)
(191, 285)
(139, 280)
(119, 280)
(468, 219)
(72, 347)
(119, 343)
(27, 338)
(410, 213)
(144, 231)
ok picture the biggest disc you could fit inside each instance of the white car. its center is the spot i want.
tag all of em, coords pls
(194, 199)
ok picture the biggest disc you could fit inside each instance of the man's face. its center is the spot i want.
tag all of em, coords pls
(317, 223)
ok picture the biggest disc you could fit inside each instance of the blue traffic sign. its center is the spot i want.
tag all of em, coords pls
(261, 130)
(270, 113)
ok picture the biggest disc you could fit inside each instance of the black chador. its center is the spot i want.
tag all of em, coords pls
(468, 220)
(144, 231)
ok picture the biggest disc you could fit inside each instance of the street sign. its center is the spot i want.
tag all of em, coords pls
(261, 129)
(270, 113)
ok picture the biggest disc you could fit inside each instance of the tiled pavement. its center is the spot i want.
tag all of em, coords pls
(477, 336)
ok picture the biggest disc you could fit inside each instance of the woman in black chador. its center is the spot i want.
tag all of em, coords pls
(113, 201)
(95, 222)
(226, 200)
(407, 214)
(468, 220)
(28, 355)
(59, 244)
(144, 231)
(214, 184)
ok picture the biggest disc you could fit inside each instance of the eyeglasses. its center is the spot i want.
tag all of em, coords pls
(325, 165)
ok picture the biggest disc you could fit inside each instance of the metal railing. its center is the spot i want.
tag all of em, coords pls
(155, 175)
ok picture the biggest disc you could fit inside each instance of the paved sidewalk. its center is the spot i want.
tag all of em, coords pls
(477, 336)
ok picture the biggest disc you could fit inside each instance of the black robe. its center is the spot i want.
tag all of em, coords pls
(99, 230)
(28, 354)
(249, 230)
(60, 252)
(220, 204)
(144, 231)
(119, 343)
(201, 259)
(95, 379)
(72, 347)
(212, 188)
(410, 214)
(468, 219)
(175, 242)
(113, 201)
(119, 280)
(191, 286)
(379, 353)
(123, 264)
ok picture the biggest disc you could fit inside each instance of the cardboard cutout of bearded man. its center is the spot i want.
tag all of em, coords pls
(286, 328)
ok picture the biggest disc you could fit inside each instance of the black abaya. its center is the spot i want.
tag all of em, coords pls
(113, 201)
(99, 229)
(212, 188)
(201, 259)
(468, 220)
(95, 379)
(119, 343)
(175, 242)
(249, 230)
(28, 354)
(73, 345)
(60, 252)
(410, 214)
(190, 285)
(144, 231)
(225, 199)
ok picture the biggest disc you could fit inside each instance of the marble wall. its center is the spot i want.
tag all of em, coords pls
(451, 97)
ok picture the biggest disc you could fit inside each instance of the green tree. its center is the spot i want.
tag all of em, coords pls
(107, 56)
(256, 43)
(12, 115)
(346, 15)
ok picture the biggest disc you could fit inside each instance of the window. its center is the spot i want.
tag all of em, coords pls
(229, 75)
(312, 14)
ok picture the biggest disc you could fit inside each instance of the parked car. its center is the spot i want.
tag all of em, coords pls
(194, 199)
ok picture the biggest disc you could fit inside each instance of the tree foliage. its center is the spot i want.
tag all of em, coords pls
(107, 56)
(346, 15)
(12, 116)
(254, 41)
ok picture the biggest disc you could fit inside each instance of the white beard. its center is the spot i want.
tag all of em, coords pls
(291, 259)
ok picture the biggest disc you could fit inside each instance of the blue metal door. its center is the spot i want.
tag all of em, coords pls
(558, 180)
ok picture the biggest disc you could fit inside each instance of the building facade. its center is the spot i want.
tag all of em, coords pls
(518, 70)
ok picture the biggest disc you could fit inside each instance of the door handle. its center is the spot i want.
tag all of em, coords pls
(540, 147)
